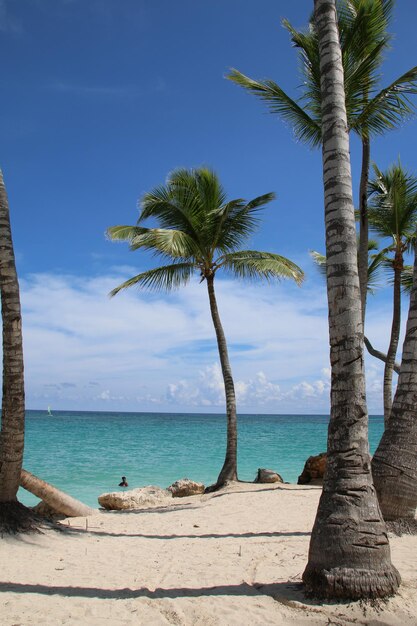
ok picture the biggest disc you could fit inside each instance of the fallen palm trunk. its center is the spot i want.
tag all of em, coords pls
(53, 497)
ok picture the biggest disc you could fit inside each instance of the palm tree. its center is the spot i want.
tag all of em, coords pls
(14, 517)
(394, 465)
(377, 260)
(393, 213)
(370, 111)
(349, 555)
(200, 231)
(58, 501)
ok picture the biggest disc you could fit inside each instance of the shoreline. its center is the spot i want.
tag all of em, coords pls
(86, 454)
(230, 557)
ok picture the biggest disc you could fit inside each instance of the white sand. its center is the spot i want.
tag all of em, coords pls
(234, 557)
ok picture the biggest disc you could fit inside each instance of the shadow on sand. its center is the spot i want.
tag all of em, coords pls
(285, 592)
(249, 535)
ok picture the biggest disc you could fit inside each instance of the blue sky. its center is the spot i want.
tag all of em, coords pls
(101, 99)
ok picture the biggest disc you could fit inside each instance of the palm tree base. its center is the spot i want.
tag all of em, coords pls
(227, 474)
(220, 484)
(394, 467)
(350, 584)
(15, 518)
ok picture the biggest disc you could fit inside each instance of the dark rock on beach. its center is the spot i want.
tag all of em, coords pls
(268, 476)
(314, 470)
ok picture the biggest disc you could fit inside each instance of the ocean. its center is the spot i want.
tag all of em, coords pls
(86, 453)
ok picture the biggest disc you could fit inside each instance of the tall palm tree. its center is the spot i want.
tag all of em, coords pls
(394, 465)
(200, 231)
(393, 214)
(370, 110)
(14, 517)
(349, 554)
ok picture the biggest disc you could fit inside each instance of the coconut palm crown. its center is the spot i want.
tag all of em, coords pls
(370, 110)
(199, 230)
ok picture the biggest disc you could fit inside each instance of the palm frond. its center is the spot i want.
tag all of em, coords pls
(392, 207)
(165, 278)
(320, 261)
(372, 245)
(307, 47)
(305, 127)
(406, 276)
(389, 108)
(124, 233)
(407, 279)
(360, 78)
(175, 208)
(209, 188)
(162, 206)
(169, 242)
(251, 264)
(198, 224)
(237, 220)
(363, 22)
(364, 37)
(375, 264)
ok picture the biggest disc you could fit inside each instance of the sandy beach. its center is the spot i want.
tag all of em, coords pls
(233, 557)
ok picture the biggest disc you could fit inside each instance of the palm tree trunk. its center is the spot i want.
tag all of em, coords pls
(53, 497)
(13, 404)
(349, 554)
(363, 224)
(394, 465)
(14, 517)
(394, 339)
(229, 469)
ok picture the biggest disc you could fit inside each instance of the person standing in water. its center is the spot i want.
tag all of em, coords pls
(124, 482)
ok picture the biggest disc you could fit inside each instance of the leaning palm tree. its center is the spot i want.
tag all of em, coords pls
(349, 555)
(370, 110)
(200, 231)
(393, 214)
(394, 465)
(14, 517)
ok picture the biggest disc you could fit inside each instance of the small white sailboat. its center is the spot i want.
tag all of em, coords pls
(49, 412)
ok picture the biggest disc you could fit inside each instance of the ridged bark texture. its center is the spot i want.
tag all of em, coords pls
(394, 339)
(229, 469)
(349, 554)
(363, 224)
(13, 404)
(394, 465)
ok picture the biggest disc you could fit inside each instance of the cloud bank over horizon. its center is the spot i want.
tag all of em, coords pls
(145, 352)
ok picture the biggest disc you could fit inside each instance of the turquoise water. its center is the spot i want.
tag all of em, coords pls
(86, 453)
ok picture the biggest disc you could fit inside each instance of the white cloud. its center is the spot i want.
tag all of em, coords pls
(257, 392)
(140, 351)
